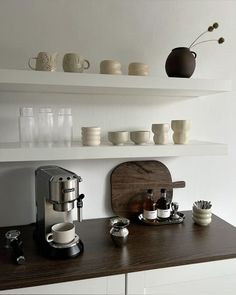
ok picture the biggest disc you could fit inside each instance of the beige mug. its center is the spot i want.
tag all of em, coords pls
(61, 233)
(74, 63)
(44, 62)
(111, 67)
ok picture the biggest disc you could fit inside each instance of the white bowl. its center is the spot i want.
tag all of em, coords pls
(118, 137)
(140, 137)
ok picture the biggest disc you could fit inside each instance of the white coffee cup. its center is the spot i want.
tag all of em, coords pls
(61, 233)
(75, 63)
(111, 67)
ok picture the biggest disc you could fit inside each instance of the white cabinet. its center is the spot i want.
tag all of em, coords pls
(112, 285)
(100, 85)
(210, 278)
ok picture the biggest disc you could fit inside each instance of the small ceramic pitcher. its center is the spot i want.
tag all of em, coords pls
(44, 62)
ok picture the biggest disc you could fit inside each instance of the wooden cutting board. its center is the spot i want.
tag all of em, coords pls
(130, 181)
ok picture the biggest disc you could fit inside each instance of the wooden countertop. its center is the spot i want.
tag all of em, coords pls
(149, 247)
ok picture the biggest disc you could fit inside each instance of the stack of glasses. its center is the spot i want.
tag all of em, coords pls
(45, 127)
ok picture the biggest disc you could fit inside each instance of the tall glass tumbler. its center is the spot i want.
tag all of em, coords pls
(27, 126)
(63, 132)
(45, 126)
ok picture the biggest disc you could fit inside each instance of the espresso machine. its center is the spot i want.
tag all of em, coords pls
(57, 196)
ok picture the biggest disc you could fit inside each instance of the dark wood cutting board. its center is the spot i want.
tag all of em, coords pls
(130, 181)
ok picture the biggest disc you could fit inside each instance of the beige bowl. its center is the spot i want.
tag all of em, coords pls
(140, 137)
(118, 137)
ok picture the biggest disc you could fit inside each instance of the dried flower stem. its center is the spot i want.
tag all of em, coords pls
(207, 41)
(192, 44)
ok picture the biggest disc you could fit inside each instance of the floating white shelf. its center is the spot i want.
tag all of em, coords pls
(13, 152)
(60, 82)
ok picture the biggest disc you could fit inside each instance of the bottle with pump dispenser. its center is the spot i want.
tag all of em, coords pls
(163, 206)
(149, 206)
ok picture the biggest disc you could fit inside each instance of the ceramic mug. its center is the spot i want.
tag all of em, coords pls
(61, 233)
(111, 67)
(138, 69)
(75, 63)
(44, 62)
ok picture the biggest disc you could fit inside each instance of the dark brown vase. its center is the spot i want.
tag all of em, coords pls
(181, 63)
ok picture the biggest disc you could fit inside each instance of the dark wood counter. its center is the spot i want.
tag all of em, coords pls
(148, 247)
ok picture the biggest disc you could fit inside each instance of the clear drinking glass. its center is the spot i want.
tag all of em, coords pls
(27, 126)
(63, 132)
(45, 126)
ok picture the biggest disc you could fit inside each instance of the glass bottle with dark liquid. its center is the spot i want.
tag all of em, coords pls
(163, 206)
(149, 206)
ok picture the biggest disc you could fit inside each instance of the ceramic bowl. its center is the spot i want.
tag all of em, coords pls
(140, 137)
(118, 137)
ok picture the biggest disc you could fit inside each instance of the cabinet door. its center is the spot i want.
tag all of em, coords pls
(208, 278)
(112, 285)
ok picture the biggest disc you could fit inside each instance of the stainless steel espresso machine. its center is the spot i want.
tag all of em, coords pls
(57, 195)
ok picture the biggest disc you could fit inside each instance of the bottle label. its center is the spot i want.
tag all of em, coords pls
(150, 214)
(163, 213)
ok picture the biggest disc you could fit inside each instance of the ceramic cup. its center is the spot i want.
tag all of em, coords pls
(201, 216)
(181, 131)
(140, 137)
(160, 133)
(61, 233)
(118, 137)
(138, 69)
(44, 62)
(111, 67)
(91, 136)
(74, 63)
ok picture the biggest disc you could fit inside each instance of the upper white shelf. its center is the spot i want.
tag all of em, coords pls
(60, 82)
(13, 152)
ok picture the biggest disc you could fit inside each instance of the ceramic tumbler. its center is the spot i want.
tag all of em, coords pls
(138, 69)
(91, 136)
(181, 130)
(111, 67)
(160, 133)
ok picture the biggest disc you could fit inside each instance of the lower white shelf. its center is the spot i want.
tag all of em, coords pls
(13, 152)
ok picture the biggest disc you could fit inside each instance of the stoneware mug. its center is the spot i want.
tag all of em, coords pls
(75, 63)
(44, 62)
(61, 233)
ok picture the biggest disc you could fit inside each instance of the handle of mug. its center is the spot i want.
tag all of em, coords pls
(49, 237)
(194, 54)
(88, 64)
(29, 63)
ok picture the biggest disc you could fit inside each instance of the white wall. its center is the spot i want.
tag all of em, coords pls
(126, 30)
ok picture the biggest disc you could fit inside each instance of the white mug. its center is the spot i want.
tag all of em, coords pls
(44, 62)
(62, 233)
(75, 63)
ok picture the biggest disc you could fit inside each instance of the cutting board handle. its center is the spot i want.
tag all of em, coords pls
(178, 184)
